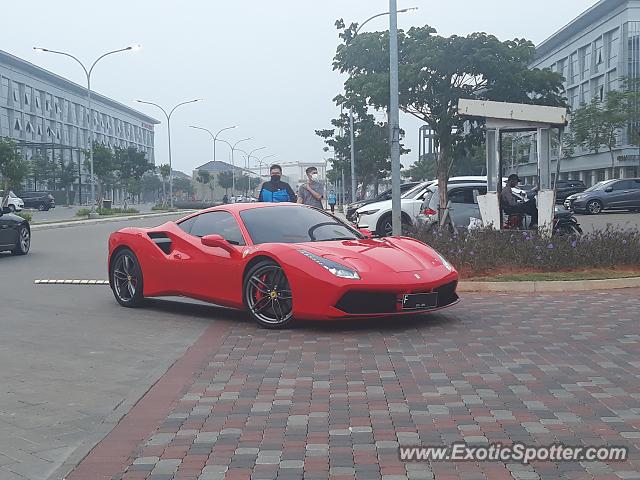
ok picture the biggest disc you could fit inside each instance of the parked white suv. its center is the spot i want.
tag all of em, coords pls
(15, 203)
(377, 216)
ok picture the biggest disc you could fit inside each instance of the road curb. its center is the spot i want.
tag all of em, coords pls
(550, 286)
(96, 221)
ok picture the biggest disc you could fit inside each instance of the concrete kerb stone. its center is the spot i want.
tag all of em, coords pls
(550, 286)
(82, 223)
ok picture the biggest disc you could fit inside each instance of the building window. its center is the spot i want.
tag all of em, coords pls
(29, 128)
(26, 99)
(39, 130)
(37, 101)
(16, 97)
(56, 107)
(47, 105)
(18, 125)
(49, 132)
(601, 92)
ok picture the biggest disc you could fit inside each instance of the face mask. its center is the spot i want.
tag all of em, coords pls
(275, 178)
(314, 176)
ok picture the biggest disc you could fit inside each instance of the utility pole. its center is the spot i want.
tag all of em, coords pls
(394, 120)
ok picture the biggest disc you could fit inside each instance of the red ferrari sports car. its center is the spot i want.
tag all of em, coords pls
(279, 262)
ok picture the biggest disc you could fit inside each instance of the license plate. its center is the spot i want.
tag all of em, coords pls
(419, 301)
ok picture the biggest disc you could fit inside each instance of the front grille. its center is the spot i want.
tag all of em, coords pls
(447, 294)
(358, 302)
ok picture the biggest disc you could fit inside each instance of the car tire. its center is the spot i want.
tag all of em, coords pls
(24, 241)
(42, 207)
(12, 208)
(126, 279)
(384, 227)
(594, 207)
(267, 295)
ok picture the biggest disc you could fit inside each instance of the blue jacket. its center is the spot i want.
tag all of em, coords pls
(276, 192)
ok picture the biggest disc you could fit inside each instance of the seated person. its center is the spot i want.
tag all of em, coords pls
(511, 205)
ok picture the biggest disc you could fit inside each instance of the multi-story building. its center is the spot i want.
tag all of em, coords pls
(47, 115)
(595, 52)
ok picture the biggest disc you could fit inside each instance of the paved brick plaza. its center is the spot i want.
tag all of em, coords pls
(334, 400)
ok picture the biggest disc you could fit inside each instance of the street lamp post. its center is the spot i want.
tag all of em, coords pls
(215, 138)
(88, 72)
(394, 121)
(168, 116)
(351, 134)
(261, 161)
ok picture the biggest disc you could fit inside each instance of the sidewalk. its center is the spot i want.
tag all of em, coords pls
(336, 400)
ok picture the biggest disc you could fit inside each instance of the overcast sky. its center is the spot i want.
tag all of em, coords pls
(262, 65)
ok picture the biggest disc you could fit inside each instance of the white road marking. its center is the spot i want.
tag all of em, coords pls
(71, 282)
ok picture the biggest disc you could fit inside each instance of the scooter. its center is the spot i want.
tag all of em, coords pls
(564, 221)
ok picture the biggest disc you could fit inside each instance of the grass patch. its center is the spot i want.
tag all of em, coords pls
(26, 215)
(557, 276)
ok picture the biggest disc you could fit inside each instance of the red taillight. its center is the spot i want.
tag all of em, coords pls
(429, 211)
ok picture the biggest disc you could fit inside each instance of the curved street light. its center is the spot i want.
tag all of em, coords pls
(88, 72)
(168, 115)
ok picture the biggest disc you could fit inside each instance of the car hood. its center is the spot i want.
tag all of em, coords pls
(384, 204)
(379, 255)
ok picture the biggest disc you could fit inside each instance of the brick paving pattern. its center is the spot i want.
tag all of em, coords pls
(335, 400)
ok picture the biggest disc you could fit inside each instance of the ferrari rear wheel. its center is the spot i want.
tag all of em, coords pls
(126, 279)
(267, 295)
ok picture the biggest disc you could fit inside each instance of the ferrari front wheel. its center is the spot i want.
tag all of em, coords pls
(126, 279)
(267, 295)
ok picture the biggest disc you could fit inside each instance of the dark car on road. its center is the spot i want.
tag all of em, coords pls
(386, 195)
(42, 201)
(15, 233)
(564, 188)
(623, 194)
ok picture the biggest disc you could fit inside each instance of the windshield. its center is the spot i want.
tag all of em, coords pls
(414, 191)
(291, 224)
(599, 186)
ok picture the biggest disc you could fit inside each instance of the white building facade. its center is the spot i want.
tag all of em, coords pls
(47, 115)
(594, 53)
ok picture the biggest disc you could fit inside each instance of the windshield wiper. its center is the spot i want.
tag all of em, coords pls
(333, 239)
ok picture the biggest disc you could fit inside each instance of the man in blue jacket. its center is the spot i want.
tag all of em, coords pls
(275, 190)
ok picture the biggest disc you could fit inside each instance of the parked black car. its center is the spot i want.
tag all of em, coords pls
(564, 188)
(386, 195)
(42, 201)
(623, 194)
(15, 233)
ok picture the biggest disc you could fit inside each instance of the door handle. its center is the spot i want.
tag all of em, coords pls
(177, 256)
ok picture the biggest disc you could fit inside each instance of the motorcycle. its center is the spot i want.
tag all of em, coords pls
(564, 221)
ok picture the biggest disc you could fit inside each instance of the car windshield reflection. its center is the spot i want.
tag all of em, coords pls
(294, 224)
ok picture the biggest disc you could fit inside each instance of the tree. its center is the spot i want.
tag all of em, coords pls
(67, 176)
(131, 165)
(371, 142)
(151, 185)
(204, 178)
(103, 167)
(598, 124)
(435, 72)
(13, 168)
(183, 185)
(225, 180)
(40, 166)
(165, 172)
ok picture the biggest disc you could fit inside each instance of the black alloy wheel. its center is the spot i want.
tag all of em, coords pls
(267, 295)
(126, 279)
(24, 241)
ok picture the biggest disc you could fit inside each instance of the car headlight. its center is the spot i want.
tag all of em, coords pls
(444, 261)
(369, 212)
(332, 267)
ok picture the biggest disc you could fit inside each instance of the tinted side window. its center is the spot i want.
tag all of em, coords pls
(623, 185)
(187, 224)
(220, 223)
(462, 195)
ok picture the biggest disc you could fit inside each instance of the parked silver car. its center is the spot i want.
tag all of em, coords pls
(623, 194)
(464, 204)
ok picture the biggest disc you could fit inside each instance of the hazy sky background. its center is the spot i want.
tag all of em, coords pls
(262, 65)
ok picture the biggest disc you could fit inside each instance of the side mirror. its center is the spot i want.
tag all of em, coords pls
(217, 241)
(608, 189)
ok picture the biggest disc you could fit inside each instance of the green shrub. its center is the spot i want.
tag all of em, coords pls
(159, 206)
(26, 215)
(484, 251)
(84, 212)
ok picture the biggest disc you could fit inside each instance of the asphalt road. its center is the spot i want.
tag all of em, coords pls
(72, 359)
(626, 220)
